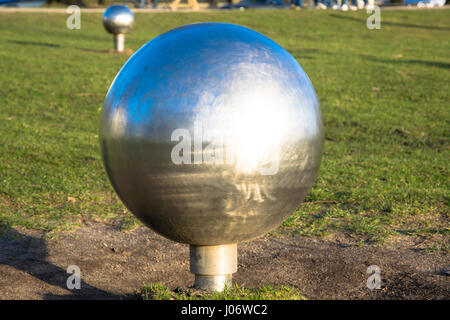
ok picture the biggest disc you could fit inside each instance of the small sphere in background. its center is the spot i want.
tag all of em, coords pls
(118, 19)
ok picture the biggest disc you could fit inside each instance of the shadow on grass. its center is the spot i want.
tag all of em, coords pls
(35, 43)
(29, 254)
(388, 23)
(437, 64)
(126, 52)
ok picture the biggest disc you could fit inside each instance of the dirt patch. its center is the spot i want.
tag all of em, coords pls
(115, 263)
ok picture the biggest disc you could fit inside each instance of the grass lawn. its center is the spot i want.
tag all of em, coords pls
(156, 291)
(384, 96)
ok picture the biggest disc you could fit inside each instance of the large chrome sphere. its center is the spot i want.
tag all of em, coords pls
(211, 134)
(118, 19)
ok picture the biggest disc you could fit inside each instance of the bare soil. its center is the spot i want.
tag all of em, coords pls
(114, 264)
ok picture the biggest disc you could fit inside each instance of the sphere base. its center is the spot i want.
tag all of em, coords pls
(119, 42)
(213, 266)
(215, 283)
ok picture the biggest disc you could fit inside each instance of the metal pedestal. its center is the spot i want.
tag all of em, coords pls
(213, 266)
(119, 42)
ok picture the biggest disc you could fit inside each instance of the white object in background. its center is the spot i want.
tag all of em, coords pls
(370, 5)
(437, 3)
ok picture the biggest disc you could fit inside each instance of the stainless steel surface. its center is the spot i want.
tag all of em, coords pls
(213, 283)
(119, 42)
(211, 260)
(118, 19)
(234, 91)
(213, 266)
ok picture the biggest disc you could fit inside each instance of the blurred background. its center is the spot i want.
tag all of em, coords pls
(204, 4)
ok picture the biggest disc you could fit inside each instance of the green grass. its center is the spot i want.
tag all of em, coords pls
(384, 96)
(156, 291)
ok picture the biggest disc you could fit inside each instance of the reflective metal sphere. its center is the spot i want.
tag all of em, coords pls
(118, 19)
(211, 134)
